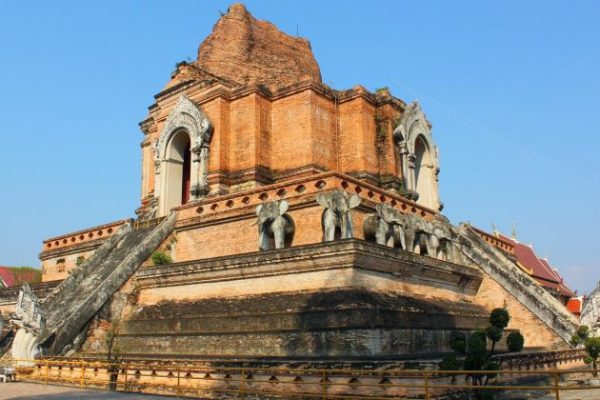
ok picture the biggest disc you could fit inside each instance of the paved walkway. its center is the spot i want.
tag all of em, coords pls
(593, 394)
(35, 391)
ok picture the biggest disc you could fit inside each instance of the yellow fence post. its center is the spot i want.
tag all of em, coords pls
(426, 377)
(324, 384)
(177, 389)
(242, 379)
(556, 388)
(125, 369)
(46, 374)
(82, 377)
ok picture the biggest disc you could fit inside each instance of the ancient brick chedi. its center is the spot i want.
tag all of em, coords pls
(301, 221)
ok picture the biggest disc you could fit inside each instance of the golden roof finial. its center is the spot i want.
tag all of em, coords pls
(494, 230)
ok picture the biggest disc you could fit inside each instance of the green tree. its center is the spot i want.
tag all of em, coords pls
(592, 348)
(579, 337)
(477, 357)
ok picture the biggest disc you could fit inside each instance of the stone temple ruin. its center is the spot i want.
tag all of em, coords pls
(303, 222)
(590, 314)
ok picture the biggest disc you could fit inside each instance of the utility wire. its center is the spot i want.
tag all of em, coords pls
(525, 152)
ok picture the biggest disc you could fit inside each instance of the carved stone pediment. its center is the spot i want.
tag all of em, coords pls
(188, 119)
(185, 115)
(417, 157)
(413, 124)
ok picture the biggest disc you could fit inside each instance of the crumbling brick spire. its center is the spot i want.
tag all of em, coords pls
(248, 51)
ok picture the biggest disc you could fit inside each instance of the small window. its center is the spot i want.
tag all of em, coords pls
(60, 265)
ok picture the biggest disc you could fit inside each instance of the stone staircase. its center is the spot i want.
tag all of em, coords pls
(78, 298)
(517, 283)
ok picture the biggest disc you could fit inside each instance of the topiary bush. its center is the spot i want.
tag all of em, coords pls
(515, 342)
(477, 356)
(499, 318)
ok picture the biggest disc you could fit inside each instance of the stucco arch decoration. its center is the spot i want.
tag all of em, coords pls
(414, 127)
(189, 118)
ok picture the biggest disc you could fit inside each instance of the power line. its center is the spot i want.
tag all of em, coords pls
(525, 152)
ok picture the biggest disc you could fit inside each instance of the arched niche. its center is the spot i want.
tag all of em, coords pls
(425, 174)
(181, 156)
(417, 157)
(177, 170)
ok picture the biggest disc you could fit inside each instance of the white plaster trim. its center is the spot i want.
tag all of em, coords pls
(185, 116)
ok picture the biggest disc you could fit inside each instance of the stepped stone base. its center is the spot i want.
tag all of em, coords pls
(348, 323)
(348, 299)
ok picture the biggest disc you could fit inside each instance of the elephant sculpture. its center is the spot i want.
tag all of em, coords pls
(422, 243)
(441, 244)
(275, 227)
(434, 239)
(387, 227)
(336, 221)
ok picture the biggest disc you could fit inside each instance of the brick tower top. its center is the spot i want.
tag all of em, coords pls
(246, 50)
(253, 111)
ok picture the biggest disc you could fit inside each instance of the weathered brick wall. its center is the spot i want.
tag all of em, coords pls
(251, 327)
(241, 235)
(243, 284)
(270, 136)
(53, 270)
(69, 247)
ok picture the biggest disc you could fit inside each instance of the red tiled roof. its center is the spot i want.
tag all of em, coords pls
(17, 276)
(527, 258)
(538, 268)
(562, 287)
(551, 270)
(566, 291)
(7, 276)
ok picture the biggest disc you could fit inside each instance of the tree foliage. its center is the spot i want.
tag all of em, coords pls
(592, 348)
(160, 258)
(515, 342)
(477, 357)
(579, 337)
(458, 342)
(25, 275)
(499, 318)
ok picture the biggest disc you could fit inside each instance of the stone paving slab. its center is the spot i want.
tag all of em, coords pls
(35, 391)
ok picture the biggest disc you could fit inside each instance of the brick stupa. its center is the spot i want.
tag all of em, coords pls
(291, 221)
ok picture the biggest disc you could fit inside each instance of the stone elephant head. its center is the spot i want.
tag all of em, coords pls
(275, 227)
(441, 243)
(386, 227)
(337, 220)
(431, 238)
(421, 238)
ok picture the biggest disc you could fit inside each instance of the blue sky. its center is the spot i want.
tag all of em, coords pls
(512, 89)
